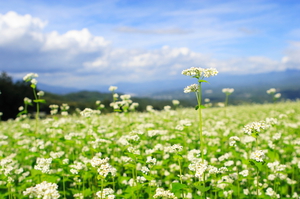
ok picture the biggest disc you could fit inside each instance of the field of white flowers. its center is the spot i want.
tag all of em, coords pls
(249, 151)
(154, 154)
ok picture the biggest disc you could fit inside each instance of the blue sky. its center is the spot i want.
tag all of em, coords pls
(88, 43)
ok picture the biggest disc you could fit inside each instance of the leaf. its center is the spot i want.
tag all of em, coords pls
(196, 107)
(202, 106)
(203, 188)
(39, 101)
(202, 80)
(33, 86)
(177, 186)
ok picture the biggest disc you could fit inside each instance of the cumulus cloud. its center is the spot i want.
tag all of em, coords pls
(24, 46)
(78, 58)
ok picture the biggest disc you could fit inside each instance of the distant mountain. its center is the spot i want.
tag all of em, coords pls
(57, 89)
(247, 87)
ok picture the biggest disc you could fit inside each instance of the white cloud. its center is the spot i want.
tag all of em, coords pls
(78, 58)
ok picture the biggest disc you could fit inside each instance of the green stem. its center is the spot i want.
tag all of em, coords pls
(257, 182)
(199, 98)
(37, 111)
(64, 186)
(102, 186)
(226, 100)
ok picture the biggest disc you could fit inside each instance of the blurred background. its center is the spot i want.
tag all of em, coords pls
(80, 48)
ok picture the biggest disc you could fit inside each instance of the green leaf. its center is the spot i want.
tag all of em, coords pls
(39, 101)
(202, 188)
(202, 80)
(177, 186)
(196, 107)
(33, 86)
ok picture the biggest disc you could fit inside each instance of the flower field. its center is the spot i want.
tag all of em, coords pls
(249, 151)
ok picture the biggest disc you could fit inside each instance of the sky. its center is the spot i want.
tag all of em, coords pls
(82, 44)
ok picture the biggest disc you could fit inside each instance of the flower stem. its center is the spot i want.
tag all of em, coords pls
(199, 98)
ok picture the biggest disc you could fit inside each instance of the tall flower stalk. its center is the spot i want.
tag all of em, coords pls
(199, 74)
(31, 78)
(227, 91)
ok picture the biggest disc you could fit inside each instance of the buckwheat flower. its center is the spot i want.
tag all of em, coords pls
(45, 190)
(33, 81)
(191, 88)
(257, 155)
(107, 194)
(30, 76)
(151, 160)
(78, 196)
(200, 72)
(175, 148)
(277, 95)
(87, 112)
(228, 90)
(232, 140)
(21, 108)
(43, 164)
(141, 179)
(179, 127)
(167, 108)
(112, 88)
(199, 168)
(276, 166)
(271, 91)
(193, 154)
(145, 170)
(175, 102)
(41, 93)
(27, 100)
(244, 173)
(254, 127)
(160, 192)
(271, 192)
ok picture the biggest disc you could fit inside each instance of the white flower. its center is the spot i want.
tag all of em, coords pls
(160, 192)
(43, 190)
(277, 95)
(191, 88)
(43, 164)
(271, 91)
(29, 77)
(200, 72)
(41, 93)
(175, 102)
(112, 88)
(228, 90)
(257, 155)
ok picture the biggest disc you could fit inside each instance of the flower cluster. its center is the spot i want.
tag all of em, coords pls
(106, 194)
(255, 127)
(160, 192)
(43, 164)
(228, 91)
(87, 112)
(30, 77)
(191, 88)
(258, 156)
(200, 72)
(45, 190)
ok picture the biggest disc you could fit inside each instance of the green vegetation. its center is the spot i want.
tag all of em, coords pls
(250, 151)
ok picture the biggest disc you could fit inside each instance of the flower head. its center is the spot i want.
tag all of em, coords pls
(271, 91)
(228, 91)
(200, 72)
(257, 155)
(191, 88)
(112, 88)
(30, 76)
